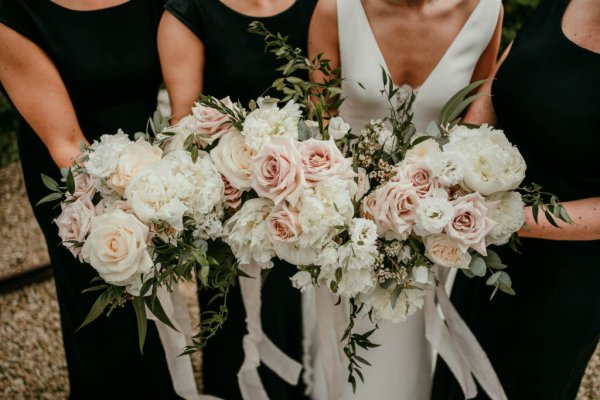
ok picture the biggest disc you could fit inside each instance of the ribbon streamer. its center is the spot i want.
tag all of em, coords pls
(257, 346)
(180, 368)
(453, 340)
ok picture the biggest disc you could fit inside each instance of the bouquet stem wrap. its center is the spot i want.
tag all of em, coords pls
(257, 346)
(180, 367)
(453, 340)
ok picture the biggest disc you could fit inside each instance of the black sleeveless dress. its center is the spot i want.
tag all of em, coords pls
(236, 65)
(547, 99)
(109, 63)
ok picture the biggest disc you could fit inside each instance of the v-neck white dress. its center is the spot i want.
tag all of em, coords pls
(402, 366)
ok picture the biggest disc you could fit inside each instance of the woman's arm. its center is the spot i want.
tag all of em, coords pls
(35, 87)
(323, 35)
(486, 66)
(182, 61)
(584, 213)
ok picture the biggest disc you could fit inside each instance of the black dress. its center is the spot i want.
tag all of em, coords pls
(547, 99)
(109, 63)
(236, 65)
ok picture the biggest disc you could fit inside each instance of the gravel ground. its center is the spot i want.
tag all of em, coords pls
(32, 364)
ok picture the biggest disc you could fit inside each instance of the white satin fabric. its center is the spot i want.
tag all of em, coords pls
(402, 367)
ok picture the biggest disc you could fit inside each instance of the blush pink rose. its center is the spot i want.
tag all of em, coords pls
(283, 223)
(395, 210)
(367, 207)
(211, 124)
(84, 186)
(277, 171)
(471, 223)
(321, 159)
(74, 224)
(420, 175)
(233, 196)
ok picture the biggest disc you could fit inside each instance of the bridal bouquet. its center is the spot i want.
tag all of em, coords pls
(142, 213)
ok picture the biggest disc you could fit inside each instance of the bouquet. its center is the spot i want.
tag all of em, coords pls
(142, 214)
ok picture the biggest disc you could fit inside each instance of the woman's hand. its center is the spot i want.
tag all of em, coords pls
(585, 214)
(35, 87)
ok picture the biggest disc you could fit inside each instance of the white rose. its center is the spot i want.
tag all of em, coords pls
(509, 214)
(301, 280)
(295, 254)
(444, 251)
(337, 128)
(493, 164)
(131, 160)
(74, 223)
(104, 155)
(248, 235)
(116, 248)
(233, 158)
(433, 214)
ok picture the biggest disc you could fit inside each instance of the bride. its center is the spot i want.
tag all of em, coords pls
(434, 48)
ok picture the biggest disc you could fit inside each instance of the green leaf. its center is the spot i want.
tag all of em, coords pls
(420, 139)
(96, 310)
(564, 215)
(94, 288)
(550, 219)
(468, 273)
(433, 130)
(394, 296)
(50, 183)
(456, 101)
(535, 209)
(70, 182)
(51, 197)
(158, 310)
(477, 266)
(493, 260)
(460, 107)
(142, 323)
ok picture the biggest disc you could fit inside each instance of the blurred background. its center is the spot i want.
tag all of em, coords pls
(32, 362)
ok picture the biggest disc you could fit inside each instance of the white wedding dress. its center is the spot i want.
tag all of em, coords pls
(402, 366)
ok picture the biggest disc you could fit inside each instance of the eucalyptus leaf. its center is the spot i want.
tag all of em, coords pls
(477, 266)
(433, 130)
(48, 198)
(70, 182)
(394, 296)
(50, 183)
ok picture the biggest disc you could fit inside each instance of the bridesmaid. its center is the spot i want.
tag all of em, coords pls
(546, 97)
(461, 38)
(76, 70)
(205, 48)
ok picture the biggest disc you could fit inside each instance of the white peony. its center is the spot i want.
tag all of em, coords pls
(153, 195)
(353, 256)
(433, 214)
(321, 209)
(450, 167)
(269, 121)
(116, 248)
(104, 155)
(353, 282)
(248, 235)
(337, 128)
(493, 164)
(509, 214)
(294, 254)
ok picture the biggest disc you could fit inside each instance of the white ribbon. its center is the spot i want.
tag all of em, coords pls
(180, 367)
(453, 340)
(257, 346)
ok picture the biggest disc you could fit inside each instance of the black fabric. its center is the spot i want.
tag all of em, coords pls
(236, 65)
(546, 97)
(109, 63)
